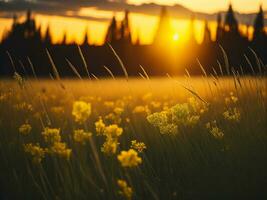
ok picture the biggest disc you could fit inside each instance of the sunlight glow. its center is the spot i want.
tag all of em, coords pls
(176, 37)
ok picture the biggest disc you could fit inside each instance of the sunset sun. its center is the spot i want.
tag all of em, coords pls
(176, 37)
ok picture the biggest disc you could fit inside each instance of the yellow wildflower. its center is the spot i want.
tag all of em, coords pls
(139, 146)
(81, 111)
(125, 190)
(60, 149)
(80, 136)
(129, 158)
(158, 119)
(100, 126)
(113, 131)
(25, 129)
(37, 152)
(232, 114)
(168, 129)
(51, 135)
(110, 146)
(214, 130)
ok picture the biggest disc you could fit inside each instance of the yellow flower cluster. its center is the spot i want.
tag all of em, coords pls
(100, 126)
(161, 120)
(53, 138)
(80, 136)
(214, 130)
(139, 146)
(110, 146)
(112, 134)
(113, 131)
(184, 114)
(60, 149)
(51, 135)
(232, 114)
(169, 120)
(25, 129)
(81, 111)
(124, 189)
(129, 158)
(37, 152)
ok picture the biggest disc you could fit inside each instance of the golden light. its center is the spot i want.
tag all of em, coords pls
(176, 37)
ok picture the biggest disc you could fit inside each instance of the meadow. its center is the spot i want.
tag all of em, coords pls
(144, 138)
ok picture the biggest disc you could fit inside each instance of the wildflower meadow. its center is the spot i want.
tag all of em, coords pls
(165, 138)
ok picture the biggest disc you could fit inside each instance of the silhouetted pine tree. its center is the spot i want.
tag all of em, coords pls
(47, 38)
(112, 33)
(64, 39)
(259, 32)
(219, 29)
(230, 23)
(207, 33)
(85, 38)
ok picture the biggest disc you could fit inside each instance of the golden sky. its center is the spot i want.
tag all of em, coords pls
(210, 5)
(142, 25)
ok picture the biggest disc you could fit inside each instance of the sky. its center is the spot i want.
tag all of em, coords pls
(74, 20)
(210, 5)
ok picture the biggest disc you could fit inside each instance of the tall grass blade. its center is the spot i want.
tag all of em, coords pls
(220, 67)
(144, 71)
(11, 61)
(55, 72)
(110, 72)
(226, 61)
(84, 62)
(250, 65)
(257, 59)
(32, 68)
(74, 69)
(194, 93)
(202, 68)
(121, 63)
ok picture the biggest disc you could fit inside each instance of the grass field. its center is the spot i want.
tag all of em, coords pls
(162, 138)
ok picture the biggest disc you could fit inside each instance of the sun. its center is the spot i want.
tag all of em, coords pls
(176, 37)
